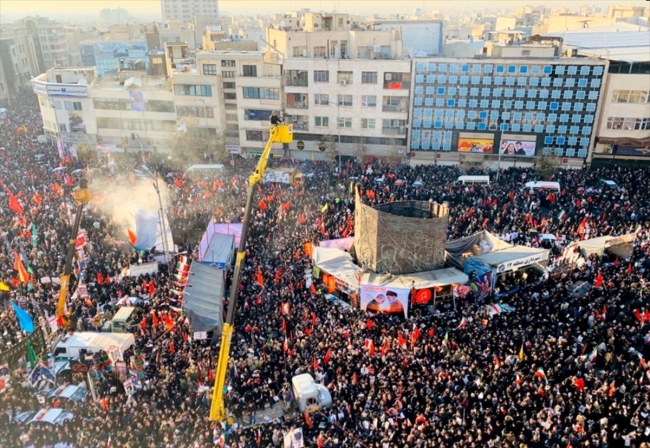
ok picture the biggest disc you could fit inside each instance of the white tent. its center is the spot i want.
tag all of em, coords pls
(482, 242)
(619, 245)
(219, 251)
(513, 257)
(337, 263)
(419, 280)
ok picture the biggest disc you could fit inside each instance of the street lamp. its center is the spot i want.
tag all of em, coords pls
(338, 125)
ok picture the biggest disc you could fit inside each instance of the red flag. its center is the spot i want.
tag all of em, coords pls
(313, 320)
(307, 331)
(328, 356)
(315, 364)
(152, 288)
(132, 237)
(284, 325)
(355, 378)
(285, 346)
(599, 280)
(401, 340)
(370, 345)
(262, 205)
(143, 323)
(630, 269)
(23, 275)
(100, 278)
(616, 262)
(308, 420)
(278, 275)
(285, 308)
(260, 279)
(414, 336)
(312, 288)
(579, 384)
(172, 349)
(612, 389)
(369, 324)
(14, 204)
(37, 199)
(169, 323)
(154, 317)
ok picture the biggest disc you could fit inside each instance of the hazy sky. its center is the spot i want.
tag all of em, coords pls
(150, 9)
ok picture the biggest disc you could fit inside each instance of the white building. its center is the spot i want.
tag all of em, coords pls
(187, 11)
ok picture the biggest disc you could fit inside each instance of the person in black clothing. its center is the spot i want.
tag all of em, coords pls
(275, 119)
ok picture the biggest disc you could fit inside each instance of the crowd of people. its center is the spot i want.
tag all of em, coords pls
(562, 369)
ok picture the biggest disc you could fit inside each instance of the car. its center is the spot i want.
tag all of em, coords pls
(76, 394)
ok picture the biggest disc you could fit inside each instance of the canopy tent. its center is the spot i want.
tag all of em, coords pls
(618, 245)
(203, 298)
(418, 280)
(221, 229)
(219, 251)
(148, 232)
(480, 243)
(340, 243)
(512, 257)
(337, 263)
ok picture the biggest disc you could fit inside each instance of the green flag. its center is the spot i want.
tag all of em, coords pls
(31, 355)
(34, 235)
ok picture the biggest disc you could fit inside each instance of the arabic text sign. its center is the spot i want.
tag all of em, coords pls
(521, 262)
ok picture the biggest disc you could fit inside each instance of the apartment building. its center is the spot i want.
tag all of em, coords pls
(18, 64)
(187, 11)
(505, 111)
(53, 49)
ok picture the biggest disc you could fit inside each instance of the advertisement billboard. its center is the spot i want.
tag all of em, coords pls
(632, 151)
(518, 145)
(476, 142)
(382, 299)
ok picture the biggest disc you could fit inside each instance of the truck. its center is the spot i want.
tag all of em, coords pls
(71, 344)
(310, 396)
(284, 176)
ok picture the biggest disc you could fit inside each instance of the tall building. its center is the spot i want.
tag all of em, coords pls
(187, 10)
(18, 64)
(505, 112)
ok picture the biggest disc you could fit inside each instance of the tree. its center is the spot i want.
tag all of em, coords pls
(329, 141)
(547, 165)
(197, 145)
(360, 149)
(395, 152)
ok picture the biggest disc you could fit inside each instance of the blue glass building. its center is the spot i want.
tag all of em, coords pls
(106, 55)
(549, 106)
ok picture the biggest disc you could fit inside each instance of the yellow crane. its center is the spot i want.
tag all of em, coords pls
(280, 133)
(81, 197)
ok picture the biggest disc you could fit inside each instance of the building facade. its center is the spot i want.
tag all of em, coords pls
(187, 11)
(18, 64)
(505, 111)
(109, 57)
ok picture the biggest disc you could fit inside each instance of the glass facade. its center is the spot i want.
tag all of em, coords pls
(552, 106)
(106, 56)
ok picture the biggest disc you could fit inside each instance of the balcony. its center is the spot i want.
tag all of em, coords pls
(300, 126)
(393, 108)
(397, 85)
(393, 131)
(297, 101)
(297, 82)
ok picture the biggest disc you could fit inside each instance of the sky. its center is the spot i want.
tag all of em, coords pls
(150, 9)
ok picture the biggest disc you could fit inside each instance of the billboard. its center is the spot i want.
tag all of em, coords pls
(632, 151)
(518, 145)
(476, 142)
(382, 299)
(76, 122)
(137, 101)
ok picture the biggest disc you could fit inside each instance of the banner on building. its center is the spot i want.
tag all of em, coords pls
(476, 142)
(137, 101)
(383, 299)
(518, 145)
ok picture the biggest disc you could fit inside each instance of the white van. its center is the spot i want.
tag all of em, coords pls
(201, 171)
(480, 180)
(543, 185)
(310, 396)
(70, 346)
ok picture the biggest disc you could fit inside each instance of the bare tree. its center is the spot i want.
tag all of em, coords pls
(330, 148)
(360, 149)
(394, 157)
(198, 145)
(547, 165)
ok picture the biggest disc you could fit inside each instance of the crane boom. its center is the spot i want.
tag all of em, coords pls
(280, 133)
(81, 197)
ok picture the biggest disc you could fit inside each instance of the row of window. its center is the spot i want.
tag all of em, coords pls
(461, 114)
(195, 111)
(508, 81)
(583, 70)
(136, 125)
(265, 93)
(247, 70)
(366, 123)
(507, 104)
(504, 127)
(123, 104)
(628, 124)
(192, 90)
(438, 92)
(631, 96)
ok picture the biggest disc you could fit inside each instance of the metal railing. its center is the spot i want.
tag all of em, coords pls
(297, 82)
(392, 108)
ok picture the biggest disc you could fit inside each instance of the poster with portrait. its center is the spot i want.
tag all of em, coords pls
(518, 145)
(76, 122)
(137, 101)
(479, 143)
(382, 299)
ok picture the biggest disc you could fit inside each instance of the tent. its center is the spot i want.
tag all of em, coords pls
(337, 263)
(512, 257)
(618, 245)
(340, 243)
(221, 229)
(203, 298)
(218, 252)
(480, 243)
(148, 232)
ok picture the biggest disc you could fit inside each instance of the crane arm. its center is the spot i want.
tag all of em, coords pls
(280, 133)
(81, 197)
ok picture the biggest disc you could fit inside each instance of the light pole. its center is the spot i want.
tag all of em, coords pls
(338, 125)
(161, 212)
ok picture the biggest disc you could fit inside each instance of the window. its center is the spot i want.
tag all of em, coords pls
(159, 106)
(345, 100)
(367, 123)
(257, 114)
(321, 122)
(368, 100)
(630, 96)
(231, 117)
(321, 99)
(344, 77)
(299, 52)
(72, 105)
(320, 52)
(255, 136)
(230, 106)
(229, 95)
(209, 69)
(265, 93)
(321, 76)
(228, 85)
(298, 100)
(227, 63)
(615, 123)
(393, 126)
(368, 77)
(195, 111)
(250, 70)
(232, 127)
(345, 122)
(228, 74)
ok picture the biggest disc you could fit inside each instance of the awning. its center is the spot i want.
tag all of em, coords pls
(419, 280)
(513, 257)
(203, 298)
(338, 263)
(480, 243)
(618, 245)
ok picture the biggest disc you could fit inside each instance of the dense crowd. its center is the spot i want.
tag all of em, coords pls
(562, 369)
